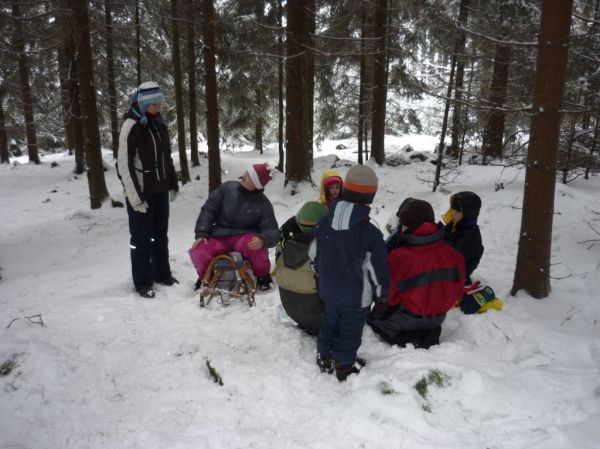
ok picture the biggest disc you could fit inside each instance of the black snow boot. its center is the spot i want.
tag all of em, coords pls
(146, 292)
(168, 281)
(325, 363)
(343, 371)
(263, 283)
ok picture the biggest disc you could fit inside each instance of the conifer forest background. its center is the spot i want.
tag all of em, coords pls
(499, 81)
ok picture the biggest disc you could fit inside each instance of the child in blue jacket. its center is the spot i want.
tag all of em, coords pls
(349, 256)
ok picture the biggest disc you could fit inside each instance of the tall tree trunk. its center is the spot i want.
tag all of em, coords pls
(110, 75)
(68, 75)
(311, 25)
(465, 120)
(461, 39)
(280, 81)
(63, 75)
(26, 97)
(75, 105)
(191, 57)
(532, 272)
(365, 78)
(438, 167)
(210, 87)
(4, 155)
(87, 91)
(176, 60)
(258, 126)
(379, 83)
(565, 160)
(594, 147)
(297, 147)
(493, 133)
(138, 43)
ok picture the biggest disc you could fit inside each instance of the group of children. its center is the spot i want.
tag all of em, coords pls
(335, 271)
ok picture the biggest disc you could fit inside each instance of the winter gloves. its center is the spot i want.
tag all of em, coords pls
(379, 309)
(141, 208)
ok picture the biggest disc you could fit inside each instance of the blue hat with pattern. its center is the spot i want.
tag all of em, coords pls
(148, 93)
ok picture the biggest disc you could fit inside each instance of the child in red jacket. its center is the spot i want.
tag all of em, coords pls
(427, 277)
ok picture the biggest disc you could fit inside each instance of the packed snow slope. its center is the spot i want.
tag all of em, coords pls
(109, 369)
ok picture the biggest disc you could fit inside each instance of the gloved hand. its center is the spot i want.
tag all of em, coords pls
(256, 243)
(172, 195)
(379, 309)
(142, 207)
(198, 241)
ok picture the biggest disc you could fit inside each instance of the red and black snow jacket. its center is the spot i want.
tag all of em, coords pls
(427, 274)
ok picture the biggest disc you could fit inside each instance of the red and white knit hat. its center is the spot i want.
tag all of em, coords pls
(260, 175)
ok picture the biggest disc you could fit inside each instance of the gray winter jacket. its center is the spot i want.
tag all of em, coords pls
(233, 210)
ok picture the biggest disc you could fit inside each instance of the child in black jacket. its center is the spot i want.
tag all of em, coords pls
(462, 231)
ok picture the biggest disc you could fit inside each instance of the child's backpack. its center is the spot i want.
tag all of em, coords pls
(479, 299)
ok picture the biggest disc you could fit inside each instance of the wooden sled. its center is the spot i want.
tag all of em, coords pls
(228, 279)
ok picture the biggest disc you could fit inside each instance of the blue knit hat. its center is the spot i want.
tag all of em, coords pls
(147, 93)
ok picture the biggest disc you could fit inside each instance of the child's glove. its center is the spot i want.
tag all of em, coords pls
(480, 301)
(379, 309)
(172, 195)
(142, 207)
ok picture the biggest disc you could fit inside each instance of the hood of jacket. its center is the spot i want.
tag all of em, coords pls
(345, 215)
(426, 234)
(469, 204)
(329, 173)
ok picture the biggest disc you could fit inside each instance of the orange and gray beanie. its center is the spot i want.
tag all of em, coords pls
(360, 185)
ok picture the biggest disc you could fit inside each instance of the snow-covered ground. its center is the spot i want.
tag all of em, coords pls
(112, 370)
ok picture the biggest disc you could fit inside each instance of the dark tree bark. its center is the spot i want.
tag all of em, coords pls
(366, 78)
(87, 91)
(4, 155)
(280, 81)
(176, 60)
(26, 97)
(311, 25)
(258, 126)
(461, 39)
(438, 167)
(210, 87)
(493, 134)
(191, 57)
(297, 145)
(594, 147)
(379, 83)
(63, 74)
(138, 43)
(532, 272)
(75, 118)
(465, 120)
(565, 160)
(110, 75)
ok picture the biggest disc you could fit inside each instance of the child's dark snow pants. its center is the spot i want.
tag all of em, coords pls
(341, 332)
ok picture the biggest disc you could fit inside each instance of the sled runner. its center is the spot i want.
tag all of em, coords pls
(228, 278)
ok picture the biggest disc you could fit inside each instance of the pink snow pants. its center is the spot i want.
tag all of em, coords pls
(202, 254)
